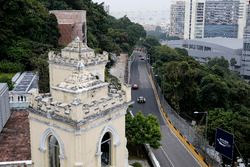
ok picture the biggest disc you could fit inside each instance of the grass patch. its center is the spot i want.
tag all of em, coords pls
(6, 78)
(7, 75)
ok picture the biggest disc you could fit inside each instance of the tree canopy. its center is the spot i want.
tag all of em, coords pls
(143, 129)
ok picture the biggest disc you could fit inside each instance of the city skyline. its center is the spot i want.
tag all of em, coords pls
(130, 5)
(154, 13)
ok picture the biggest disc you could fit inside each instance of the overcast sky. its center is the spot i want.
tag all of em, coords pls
(136, 5)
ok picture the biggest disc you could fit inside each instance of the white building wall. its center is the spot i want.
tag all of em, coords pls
(188, 18)
(245, 58)
(4, 105)
(242, 18)
(199, 19)
(177, 18)
(192, 28)
(203, 51)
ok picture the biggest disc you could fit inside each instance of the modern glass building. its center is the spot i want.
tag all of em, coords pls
(208, 18)
(222, 18)
(215, 30)
(245, 58)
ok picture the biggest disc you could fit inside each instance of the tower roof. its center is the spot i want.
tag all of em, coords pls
(77, 46)
(78, 54)
(79, 81)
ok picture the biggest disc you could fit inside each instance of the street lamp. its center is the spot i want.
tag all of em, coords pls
(196, 112)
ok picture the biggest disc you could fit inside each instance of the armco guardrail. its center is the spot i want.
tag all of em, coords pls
(184, 129)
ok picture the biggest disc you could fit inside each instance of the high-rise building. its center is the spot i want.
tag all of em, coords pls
(224, 18)
(245, 59)
(194, 19)
(177, 19)
(208, 18)
(187, 19)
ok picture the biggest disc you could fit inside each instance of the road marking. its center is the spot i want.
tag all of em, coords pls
(165, 153)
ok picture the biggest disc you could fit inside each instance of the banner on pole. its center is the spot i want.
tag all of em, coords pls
(224, 143)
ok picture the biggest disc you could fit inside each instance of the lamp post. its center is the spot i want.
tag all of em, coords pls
(148, 58)
(196, 112)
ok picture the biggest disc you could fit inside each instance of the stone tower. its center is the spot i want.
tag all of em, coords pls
(81, 122)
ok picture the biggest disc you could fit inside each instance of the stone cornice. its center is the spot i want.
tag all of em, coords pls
(78, 124)
(78, 91)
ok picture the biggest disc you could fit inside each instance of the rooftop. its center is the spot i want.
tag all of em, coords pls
(15, 138)
(77, 46)
(232, 43)
(3, 87)
(25, 82)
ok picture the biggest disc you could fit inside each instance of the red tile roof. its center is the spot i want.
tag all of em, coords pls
(15, 138)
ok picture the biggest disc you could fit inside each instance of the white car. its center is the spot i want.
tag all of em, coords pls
(141, 99)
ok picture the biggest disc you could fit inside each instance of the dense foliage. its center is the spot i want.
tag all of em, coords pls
(104, 31)
(189, 86)
(143, 129)
(28, 31)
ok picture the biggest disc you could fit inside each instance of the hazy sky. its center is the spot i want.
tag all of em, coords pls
(136, 5)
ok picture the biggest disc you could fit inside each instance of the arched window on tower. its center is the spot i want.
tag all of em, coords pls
(54, 152)
(106, 150)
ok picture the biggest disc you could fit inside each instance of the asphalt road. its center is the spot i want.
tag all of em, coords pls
(172, 152)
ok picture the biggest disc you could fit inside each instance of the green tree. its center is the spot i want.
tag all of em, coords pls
(9, 67)
(143, 129)
(150, 42)
(24, 23)
(136, 164)
(222, 62)
(214, 92)
(233, 62)
(43, 72)
(182, 51)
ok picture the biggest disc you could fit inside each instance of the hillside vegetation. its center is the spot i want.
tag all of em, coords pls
(28, 31)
